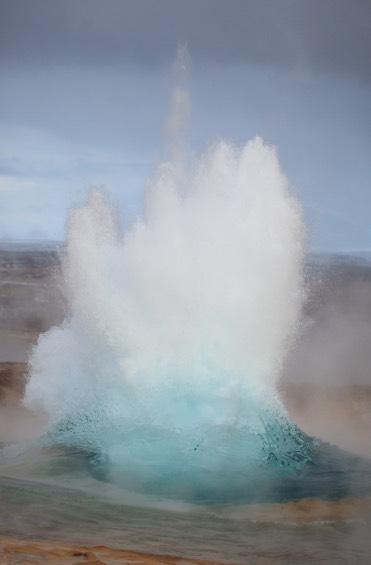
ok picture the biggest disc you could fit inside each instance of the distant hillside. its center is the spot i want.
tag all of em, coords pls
(30, 296)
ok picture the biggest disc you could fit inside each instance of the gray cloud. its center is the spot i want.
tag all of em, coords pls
(85, 86)
(328, 35)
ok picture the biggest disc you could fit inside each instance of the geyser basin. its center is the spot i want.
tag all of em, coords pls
(165, 367)
(192, 461)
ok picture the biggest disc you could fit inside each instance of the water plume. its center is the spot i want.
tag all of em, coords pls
(166, 365)
(180, 106)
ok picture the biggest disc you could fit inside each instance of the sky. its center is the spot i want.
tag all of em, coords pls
(85, 87)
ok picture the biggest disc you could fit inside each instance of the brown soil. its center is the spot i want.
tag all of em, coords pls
(15, 552)
(12, 381)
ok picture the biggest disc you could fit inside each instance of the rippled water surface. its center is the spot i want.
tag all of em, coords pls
(41, 497)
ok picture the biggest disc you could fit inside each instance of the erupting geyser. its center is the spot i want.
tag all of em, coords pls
(166, 365)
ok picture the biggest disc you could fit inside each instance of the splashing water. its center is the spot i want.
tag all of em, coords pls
(167, 364)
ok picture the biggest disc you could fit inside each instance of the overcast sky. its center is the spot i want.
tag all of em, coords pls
(85, 87)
